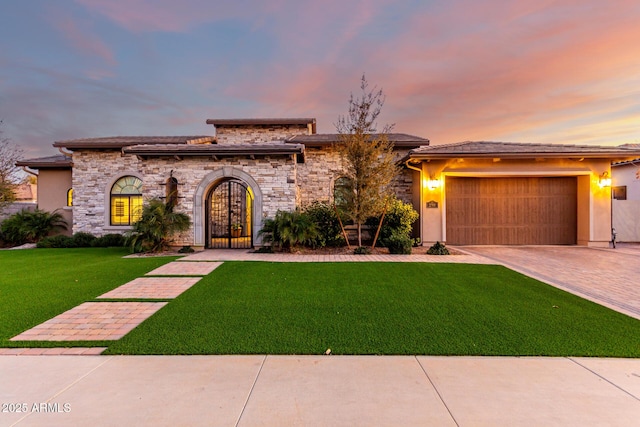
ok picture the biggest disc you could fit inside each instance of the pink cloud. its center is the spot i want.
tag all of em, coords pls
(163, 15)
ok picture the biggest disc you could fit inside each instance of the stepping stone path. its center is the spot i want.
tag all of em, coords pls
(92, 321)
(152, 287)
(102, 321)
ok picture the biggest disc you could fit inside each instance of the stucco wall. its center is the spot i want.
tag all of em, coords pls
(594, 224)
(53, 185)
(627, 175)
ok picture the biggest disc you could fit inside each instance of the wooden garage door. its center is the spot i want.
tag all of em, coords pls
(511, 211)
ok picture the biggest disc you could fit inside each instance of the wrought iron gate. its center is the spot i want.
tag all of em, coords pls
(230, 215)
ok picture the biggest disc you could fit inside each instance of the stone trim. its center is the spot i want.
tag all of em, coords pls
(203, 189)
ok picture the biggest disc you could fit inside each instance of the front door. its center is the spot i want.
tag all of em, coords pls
(230, 215)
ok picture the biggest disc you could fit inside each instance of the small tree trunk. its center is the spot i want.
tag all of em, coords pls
(344, 233)
(359, 234)
(384, 212)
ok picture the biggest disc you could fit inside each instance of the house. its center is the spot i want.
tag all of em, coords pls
(468, 193)
(495, 193)
(25, 200)
(625, 194)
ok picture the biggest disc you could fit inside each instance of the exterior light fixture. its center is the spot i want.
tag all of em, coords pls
(433, 183)
(604, 180)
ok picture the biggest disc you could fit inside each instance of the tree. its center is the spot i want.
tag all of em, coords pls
(9, 155)
(369, 166)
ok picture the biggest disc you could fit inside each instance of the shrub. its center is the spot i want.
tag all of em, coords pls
(400, 217)
(399, 243)
(264, 250)
(326, 219)
(186, 250)
(109, 240)
(289, 229)
(31, 226)
(438, 249)
(156, 227)
(59, 241)
(362, 250)
(83, 240)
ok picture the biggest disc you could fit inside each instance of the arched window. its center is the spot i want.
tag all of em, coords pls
(70, 197)
(126, 201)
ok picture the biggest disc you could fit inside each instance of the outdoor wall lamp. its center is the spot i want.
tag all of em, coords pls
(604, 180)
(433, 183)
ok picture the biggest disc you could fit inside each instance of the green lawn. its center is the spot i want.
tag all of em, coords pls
(38, 284)
(380, 308)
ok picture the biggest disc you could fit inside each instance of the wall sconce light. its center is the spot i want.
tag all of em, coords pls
(433, 183)
(604, 180)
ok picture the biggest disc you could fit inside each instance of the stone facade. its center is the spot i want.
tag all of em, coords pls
(322, 166)
(278, 181)
(258, 133)
(95, 172)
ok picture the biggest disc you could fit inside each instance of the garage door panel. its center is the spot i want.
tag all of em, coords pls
(511, 211)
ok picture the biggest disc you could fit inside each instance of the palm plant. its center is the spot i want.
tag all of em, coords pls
(157, 225)
(288, 229)
(31, 226)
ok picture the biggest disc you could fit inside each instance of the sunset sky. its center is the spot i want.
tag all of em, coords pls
(543, 71)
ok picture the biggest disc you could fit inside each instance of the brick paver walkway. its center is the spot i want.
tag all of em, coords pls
(152, 287)
(248, 255)
(92, 321)
(606, 276)
(182, 268)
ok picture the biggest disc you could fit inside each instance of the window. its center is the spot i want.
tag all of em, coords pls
(619, 193)
(70, 197)
(343, 192)
(126, 201)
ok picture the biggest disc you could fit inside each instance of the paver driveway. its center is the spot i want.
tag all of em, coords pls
(610, 277)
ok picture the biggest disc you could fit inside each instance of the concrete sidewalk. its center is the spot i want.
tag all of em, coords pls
(317, 390)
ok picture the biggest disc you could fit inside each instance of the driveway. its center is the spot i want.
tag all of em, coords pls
(610, 277)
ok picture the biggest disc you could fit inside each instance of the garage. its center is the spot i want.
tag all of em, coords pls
(511, 211)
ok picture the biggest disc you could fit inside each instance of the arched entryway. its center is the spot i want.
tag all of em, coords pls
(229, 215)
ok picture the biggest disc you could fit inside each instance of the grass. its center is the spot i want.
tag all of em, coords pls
(380, 308)
(38, 284)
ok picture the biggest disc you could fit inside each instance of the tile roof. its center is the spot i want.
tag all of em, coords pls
(215, 149)
(117, 142)
(488, 149)
(322, 139)
(25, 192)
(58, 161)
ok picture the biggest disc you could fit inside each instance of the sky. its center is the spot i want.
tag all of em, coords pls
(539, 71)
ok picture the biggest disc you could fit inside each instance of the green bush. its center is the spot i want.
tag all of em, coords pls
(326, 219)
(399, 243)
(400, 217)
(186, 250)
(31, 226)
(59, 241)
(109, 240)
(438, 249)
(362, 250)
(83, 240)
(156, 227)
(289, 229)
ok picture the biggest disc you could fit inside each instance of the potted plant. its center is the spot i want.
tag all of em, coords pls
(236, 229)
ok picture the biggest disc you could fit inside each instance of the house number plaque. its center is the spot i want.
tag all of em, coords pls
(432, 204)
